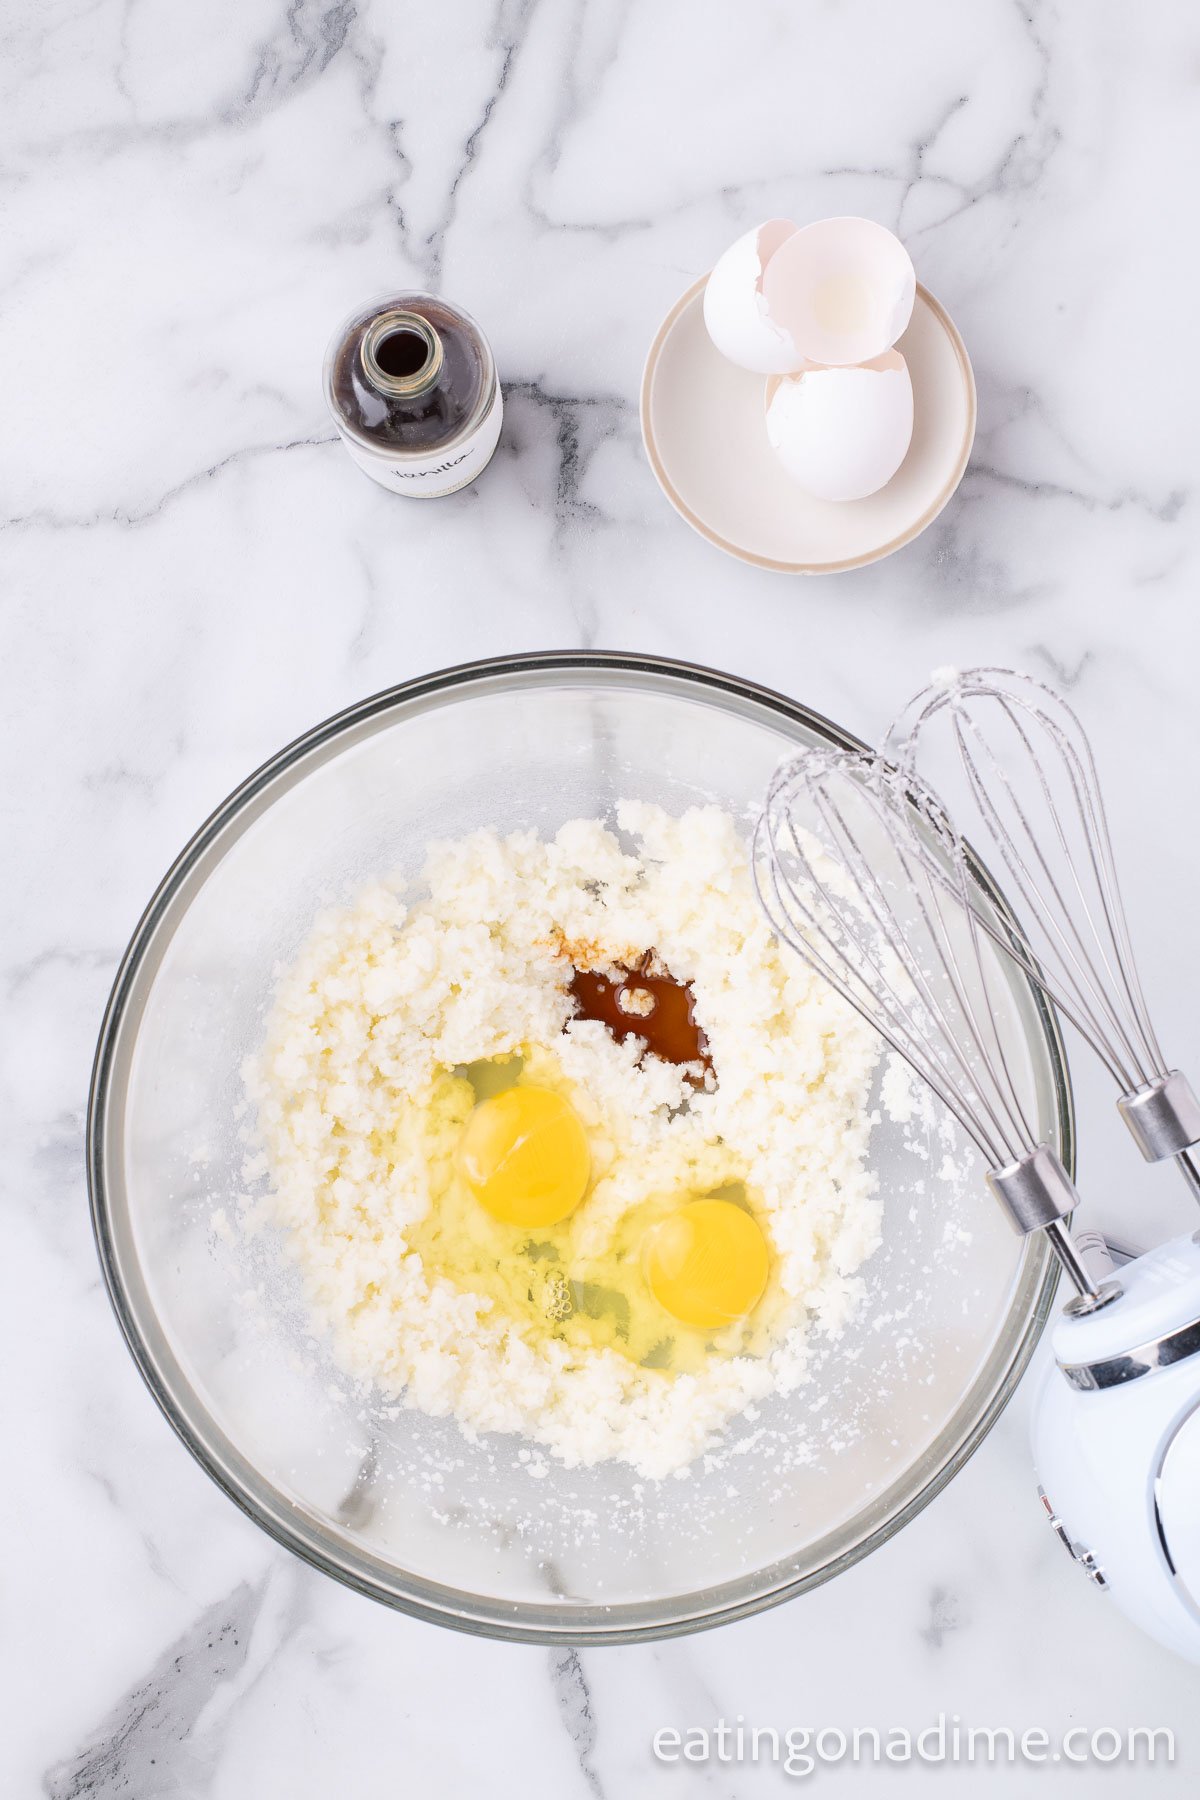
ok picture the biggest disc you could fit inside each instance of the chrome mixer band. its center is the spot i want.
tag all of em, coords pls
(1114, 1371)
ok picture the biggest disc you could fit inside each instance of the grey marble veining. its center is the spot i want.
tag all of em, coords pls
(193, 572)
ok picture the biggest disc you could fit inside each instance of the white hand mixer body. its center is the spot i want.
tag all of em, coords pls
(1116, 1443)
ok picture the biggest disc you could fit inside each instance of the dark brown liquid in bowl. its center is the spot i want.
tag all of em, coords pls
(669, 1028)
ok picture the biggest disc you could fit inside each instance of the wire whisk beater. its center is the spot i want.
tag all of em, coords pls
(862, 874)
(1030, 785)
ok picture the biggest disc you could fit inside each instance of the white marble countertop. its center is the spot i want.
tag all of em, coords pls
(193, 572)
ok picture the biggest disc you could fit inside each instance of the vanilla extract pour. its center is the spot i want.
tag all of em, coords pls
(411, 383)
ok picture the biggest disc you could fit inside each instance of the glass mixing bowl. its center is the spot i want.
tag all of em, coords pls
(401, 1506)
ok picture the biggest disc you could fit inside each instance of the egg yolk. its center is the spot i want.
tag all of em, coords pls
(706, 1264)
(525, 1156)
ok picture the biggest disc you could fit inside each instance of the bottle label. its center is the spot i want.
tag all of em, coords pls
(441, 472)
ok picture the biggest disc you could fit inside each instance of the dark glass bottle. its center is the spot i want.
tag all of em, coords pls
(411, 384)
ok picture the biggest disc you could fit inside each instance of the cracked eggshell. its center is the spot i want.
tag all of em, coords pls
(842, 433)
(735, 311)
(841, 290)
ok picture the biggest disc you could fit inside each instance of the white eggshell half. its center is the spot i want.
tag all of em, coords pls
(841, 290)
(841, 434)
(735, 312)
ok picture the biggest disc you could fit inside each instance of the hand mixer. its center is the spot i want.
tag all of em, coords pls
(1116, 1424)
(862, 873)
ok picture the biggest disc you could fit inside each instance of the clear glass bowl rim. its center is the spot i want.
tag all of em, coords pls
(580, 1625)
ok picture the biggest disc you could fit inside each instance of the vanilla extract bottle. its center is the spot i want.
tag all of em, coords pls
(411, 383)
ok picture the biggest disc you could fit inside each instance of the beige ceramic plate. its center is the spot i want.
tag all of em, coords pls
(705, 434)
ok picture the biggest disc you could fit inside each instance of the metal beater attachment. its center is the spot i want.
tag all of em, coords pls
(861, 873)
(1031, 782)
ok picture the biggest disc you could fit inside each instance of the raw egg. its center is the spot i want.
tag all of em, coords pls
(706, 1264)
(525, 1156)
(837, 292)
(842, 433)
